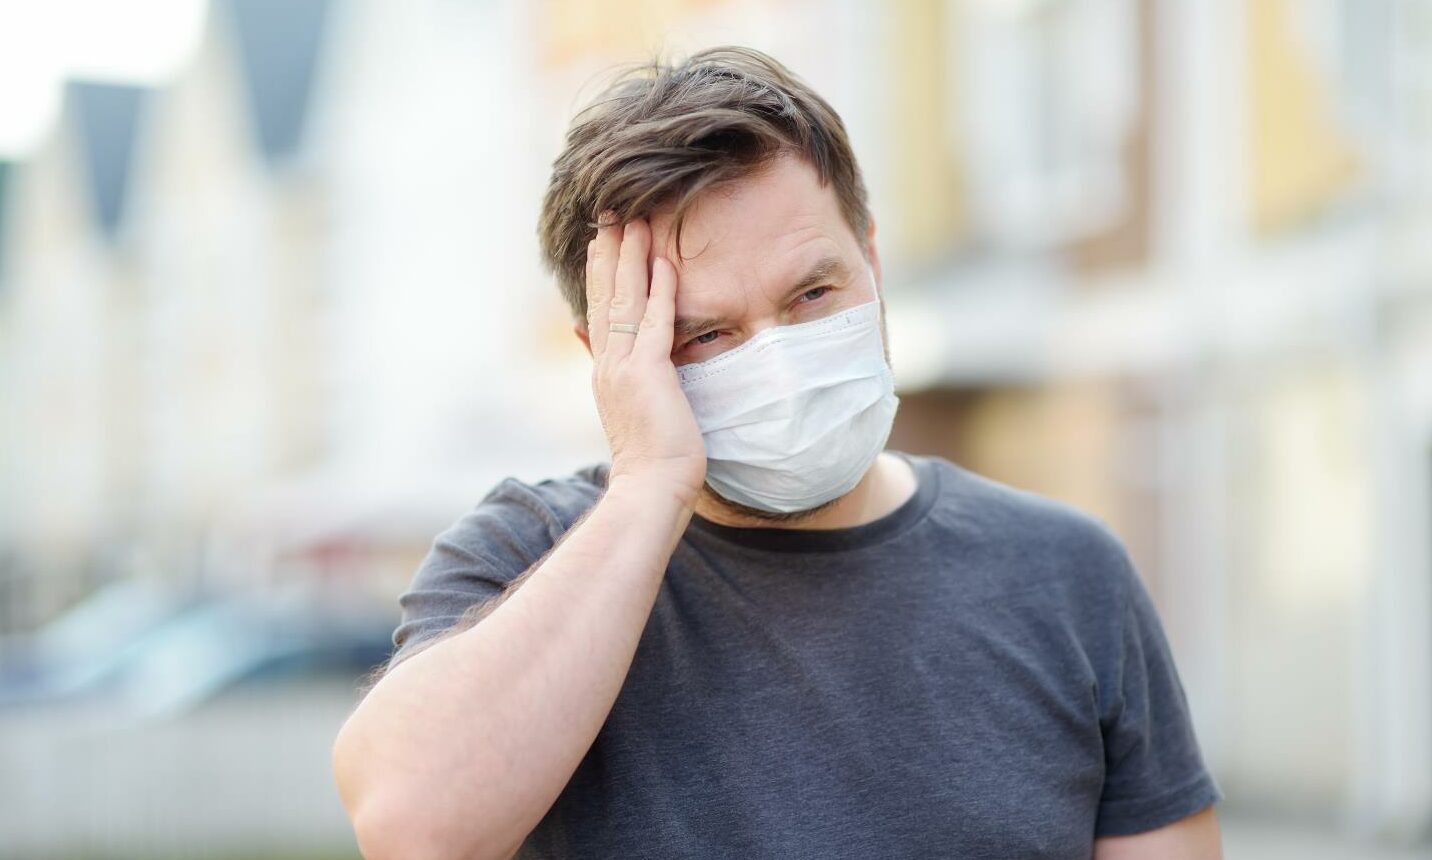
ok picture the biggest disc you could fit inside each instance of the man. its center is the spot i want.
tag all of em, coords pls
(754, 633)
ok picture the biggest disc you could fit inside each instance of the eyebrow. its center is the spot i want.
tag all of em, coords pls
(826, 268)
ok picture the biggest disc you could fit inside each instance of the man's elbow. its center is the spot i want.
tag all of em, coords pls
(390, 824)
(383, 834)
(392, 828)
(383, 830)
(394, 819)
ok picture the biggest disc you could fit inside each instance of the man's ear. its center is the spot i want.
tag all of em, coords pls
(579, 327)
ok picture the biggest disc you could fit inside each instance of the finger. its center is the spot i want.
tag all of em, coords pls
(629, 296)
(654, 339)
(601, 270)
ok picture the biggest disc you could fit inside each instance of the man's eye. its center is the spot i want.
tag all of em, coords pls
(705, 338)
(818, 292)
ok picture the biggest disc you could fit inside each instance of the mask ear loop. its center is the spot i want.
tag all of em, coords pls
(879, 296)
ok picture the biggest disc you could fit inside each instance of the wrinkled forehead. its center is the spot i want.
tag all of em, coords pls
(756, 233)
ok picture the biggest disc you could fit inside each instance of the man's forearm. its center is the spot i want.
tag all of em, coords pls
(462, 748)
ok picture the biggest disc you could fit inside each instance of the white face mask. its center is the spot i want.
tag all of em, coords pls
(795, 416)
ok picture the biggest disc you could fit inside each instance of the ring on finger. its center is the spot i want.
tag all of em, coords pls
(628, 328)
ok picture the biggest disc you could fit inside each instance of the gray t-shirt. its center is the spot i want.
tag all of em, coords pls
(979, 673)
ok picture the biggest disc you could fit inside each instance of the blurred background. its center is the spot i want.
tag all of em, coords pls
(271, 317)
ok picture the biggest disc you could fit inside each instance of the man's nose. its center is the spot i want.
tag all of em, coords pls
(760, 325)
(780, 369)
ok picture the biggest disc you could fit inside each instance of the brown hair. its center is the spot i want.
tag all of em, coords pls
(661, 134)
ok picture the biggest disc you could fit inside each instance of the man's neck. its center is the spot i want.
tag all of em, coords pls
(887, 484)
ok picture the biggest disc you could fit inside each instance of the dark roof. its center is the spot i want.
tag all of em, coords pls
(107, 118)
(278, 47)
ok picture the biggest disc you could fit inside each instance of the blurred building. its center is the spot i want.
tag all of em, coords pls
(278, 315)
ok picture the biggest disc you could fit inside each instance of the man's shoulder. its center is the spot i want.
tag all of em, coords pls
(996, 502)
(1007, 520)
(555, 502)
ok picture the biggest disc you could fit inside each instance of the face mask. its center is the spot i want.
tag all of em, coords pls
(795, 416)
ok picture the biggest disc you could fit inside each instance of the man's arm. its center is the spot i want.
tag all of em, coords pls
(460, 749)
(1195, 837)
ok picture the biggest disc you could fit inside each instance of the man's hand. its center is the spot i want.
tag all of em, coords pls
(649, 424)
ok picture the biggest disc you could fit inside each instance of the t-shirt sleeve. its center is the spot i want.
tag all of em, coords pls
(471, 562)
(1154, 770)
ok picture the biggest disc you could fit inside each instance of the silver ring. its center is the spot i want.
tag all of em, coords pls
(629, 328)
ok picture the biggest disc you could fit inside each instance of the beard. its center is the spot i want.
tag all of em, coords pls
(767, 518)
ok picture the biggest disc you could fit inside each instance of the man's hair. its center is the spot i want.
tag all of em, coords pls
(662, 134)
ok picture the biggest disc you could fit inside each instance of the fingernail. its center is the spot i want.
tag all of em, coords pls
(607, 218)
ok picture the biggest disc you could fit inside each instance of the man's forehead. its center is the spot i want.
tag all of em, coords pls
(773, 269)
(763, 230)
